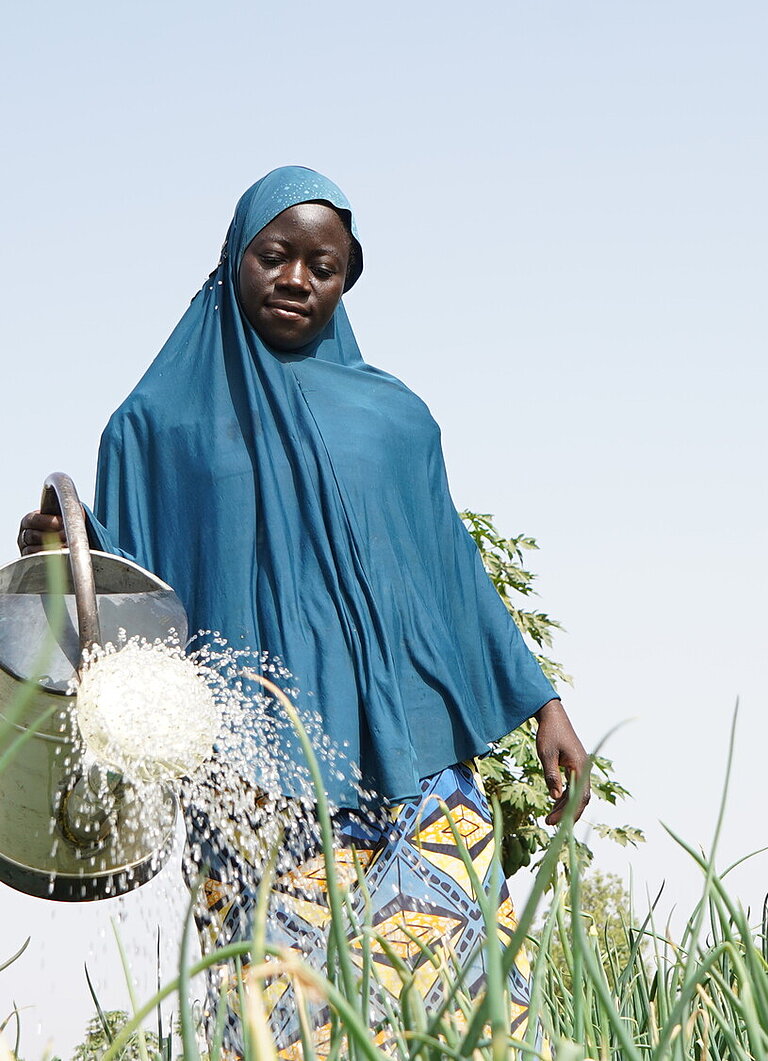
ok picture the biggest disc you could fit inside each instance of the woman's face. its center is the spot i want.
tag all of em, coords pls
(292, 274)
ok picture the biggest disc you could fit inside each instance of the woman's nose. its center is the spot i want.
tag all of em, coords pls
(295, 275)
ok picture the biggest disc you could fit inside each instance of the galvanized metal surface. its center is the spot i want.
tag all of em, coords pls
(67, 832)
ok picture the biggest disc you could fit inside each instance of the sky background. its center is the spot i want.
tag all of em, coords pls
(562, 206)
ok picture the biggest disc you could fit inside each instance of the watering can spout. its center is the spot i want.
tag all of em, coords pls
(69, 828)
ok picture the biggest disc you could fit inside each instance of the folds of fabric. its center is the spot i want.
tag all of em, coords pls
(298, 504)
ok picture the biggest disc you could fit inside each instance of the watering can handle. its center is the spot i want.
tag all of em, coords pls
(60, 498)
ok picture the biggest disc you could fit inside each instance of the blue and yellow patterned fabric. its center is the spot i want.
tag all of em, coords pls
(419, 892)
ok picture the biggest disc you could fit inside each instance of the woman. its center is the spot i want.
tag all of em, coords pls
(296, 499)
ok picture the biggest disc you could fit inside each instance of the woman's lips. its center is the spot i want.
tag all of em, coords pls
(288, 310)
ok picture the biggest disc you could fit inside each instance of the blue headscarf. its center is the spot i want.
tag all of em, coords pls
(298, 503)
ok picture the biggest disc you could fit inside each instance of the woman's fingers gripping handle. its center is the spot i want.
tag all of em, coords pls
(38, 532)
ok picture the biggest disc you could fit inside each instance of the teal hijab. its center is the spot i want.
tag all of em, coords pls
(298, 503)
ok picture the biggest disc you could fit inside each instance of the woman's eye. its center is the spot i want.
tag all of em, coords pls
(324, 272)
(270, 259)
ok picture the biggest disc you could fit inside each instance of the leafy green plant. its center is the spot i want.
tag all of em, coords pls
(703, 998)
(606, 909)
(512, 772)
(100, 1033)
(629, 995)
(463, 1025)
(504, 561)
(634, 995)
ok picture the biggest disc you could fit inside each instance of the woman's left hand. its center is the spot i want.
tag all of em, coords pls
(559, 748)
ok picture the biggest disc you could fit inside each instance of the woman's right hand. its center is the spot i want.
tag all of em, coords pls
(35, 527)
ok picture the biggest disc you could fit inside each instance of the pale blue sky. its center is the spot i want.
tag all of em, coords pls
(562, 209)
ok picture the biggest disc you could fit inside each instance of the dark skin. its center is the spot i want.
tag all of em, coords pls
(559, 749)
(34, 527)
(292, 275)
(291, 279)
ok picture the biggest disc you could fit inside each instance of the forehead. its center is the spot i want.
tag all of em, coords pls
(310, 223)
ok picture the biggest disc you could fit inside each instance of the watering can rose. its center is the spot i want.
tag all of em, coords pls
(146, 711)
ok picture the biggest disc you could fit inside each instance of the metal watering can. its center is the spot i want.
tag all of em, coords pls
(69, 828)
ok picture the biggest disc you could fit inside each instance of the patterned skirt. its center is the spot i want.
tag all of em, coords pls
(418, 892)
